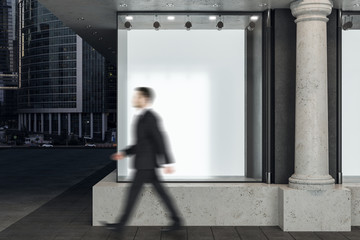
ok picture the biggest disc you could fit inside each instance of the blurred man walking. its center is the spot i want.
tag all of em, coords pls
(149, 146)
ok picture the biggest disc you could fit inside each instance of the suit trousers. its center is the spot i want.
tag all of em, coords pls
(146, 176)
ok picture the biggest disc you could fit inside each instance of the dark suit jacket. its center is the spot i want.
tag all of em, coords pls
(150, 145)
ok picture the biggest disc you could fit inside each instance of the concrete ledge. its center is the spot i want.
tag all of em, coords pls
(315, 210)
(202, 204)
(235, 204)
(355, 202)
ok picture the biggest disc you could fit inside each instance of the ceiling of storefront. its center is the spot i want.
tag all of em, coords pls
(95, 20)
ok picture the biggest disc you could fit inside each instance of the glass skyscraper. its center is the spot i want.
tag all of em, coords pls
(8, 71)
(65, 83)
(8, 63)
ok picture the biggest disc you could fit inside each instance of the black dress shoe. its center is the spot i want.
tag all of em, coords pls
(174, 227)
(113, 226)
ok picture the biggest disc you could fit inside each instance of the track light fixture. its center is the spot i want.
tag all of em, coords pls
(251, 26)
(219, 25)
(127, 25)
(156, 25)
(348, 23)
(188, 25)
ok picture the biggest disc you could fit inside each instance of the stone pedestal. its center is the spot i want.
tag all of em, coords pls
(355, 202)
(200, 204)
(311, 110)
(315, 210)
(245, 204)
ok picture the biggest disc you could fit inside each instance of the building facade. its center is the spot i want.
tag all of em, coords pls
(8, 63)
(64, 81)
(294, 84)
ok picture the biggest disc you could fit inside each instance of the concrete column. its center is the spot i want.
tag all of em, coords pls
(50, 123)
(42, 122)
(311, 107)
(80, 125)
(19, 122)
(311, 202)
(106, 121)
(69, 123)
(29, 117)
(25, 120)
(91, 125)
(103, 126)
(59, 123)
(35, 122)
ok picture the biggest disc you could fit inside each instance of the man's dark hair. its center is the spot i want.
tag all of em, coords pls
(146, 92)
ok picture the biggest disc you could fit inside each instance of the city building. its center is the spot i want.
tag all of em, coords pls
(8, 63)
(66, 85)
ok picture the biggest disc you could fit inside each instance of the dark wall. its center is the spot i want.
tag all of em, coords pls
(284, 80)
(284, 62)
(253, 103)
(333, 77)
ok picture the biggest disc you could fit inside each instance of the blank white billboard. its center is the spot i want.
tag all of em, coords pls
(350, 103)
(198, 78)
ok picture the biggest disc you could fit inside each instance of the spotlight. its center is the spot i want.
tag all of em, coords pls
(251, 26)
(219, 25)
(262, 5)
(347, 25)
(212, 18)
(254, 18)
(156, 25)
(127, 25)
(188, 25)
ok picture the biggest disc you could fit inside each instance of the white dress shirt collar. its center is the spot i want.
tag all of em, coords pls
(141, 111)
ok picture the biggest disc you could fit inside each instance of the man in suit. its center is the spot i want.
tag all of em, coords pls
(148, 147)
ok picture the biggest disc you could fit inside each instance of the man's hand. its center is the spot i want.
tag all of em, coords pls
(169, 170)
(117, 156)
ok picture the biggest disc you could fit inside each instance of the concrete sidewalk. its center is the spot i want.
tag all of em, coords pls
(31, 177)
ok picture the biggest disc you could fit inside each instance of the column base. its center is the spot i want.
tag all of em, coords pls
(311, 183)
(315, 210)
